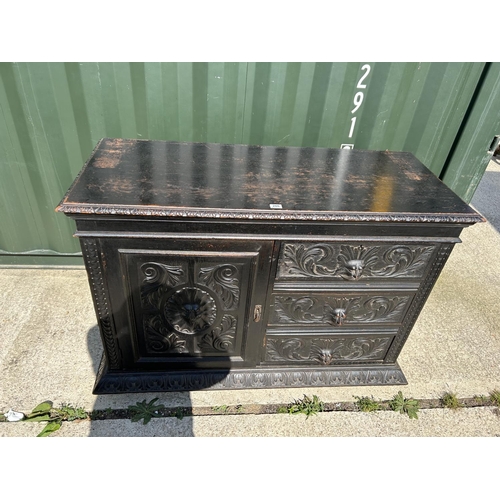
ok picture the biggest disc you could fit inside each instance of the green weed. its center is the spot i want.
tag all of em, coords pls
(404, 405)
(481, 398)
(179, 413)
(69, 413)
(221, 408)
(307, 406)
(367, 404)
(450, 400)
(145, 411)
(495, 397)
(45, 412)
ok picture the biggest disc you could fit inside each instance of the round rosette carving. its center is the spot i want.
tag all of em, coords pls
(190, 310)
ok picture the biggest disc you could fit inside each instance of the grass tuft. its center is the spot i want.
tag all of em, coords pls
(450, 400)
(367, 404)
(495, 397)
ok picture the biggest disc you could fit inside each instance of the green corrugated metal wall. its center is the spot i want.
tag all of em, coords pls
(53, 114)
(473, 147)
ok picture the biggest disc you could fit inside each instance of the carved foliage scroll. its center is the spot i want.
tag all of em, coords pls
(325, 351)
(161, 339)
(352, 309)
(220, 338)
(351, 263)
(223, 281)
(158, 278)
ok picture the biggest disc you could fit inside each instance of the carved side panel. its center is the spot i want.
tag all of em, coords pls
(101, 302)
(419, 301)
(353, 262)
(326, 351)
(337, 310)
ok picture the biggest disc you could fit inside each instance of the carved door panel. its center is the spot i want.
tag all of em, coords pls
(191, 303)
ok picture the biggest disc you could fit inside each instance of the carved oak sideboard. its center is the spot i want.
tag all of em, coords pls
(230, 266)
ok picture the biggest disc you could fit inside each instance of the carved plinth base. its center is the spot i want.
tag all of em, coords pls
(112, 382)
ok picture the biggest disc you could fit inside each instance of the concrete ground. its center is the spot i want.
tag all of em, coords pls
(51, 349)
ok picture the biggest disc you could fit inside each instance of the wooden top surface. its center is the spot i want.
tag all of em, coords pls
(172, 179)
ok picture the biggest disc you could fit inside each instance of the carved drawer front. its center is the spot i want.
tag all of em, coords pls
(353, 261)
(338, 309)
(326, 350)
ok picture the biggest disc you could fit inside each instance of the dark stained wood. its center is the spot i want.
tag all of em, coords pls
(220, 180)
(198, 283)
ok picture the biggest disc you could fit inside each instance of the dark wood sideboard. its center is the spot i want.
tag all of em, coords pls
(231, 266)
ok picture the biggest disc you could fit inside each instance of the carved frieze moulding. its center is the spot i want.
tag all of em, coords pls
(87, 208)
(108, 382)
(99, 293)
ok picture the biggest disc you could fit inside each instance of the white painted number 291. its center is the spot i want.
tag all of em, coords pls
(359, 96)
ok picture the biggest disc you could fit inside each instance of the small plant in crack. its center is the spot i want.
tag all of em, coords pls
(481, 398)
(367, 404)
(450, 400)
(404, 405)
(45, 412)
(145, 411)
(495, 397)
(69, 413)
(221, 408)
(307, 406)
(179, 413)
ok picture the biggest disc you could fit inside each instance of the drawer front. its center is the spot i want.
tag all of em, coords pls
(338, 310)
(327, 350)
(353, 261)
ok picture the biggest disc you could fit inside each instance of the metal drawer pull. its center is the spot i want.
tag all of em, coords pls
(338, 316)
(257, 313)
(354, 269)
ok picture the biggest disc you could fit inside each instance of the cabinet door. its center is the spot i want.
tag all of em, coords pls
(188, 303)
